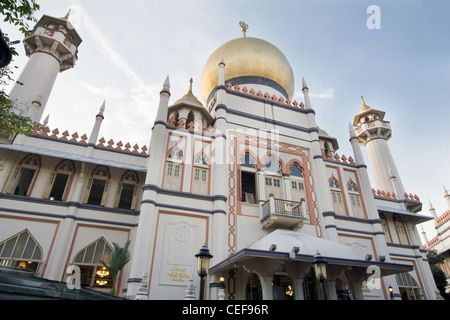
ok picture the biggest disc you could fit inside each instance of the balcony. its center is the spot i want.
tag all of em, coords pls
(285, 214)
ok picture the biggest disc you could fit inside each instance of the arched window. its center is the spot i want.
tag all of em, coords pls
(127, 191)
(23, 176)
(59, 183)
(247, 161)
(92, 270)
(355, 200)
(172, 178)
(272, 165)
(401, 230)
(200, 181)
(190, 118)
(297, 183)
(248, 178)
(336, 195)
(387, 233)
(97, 187)
(409, 289)
(273, 179)
(21, 250)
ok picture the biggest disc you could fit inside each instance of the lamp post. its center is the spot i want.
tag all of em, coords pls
(203, 257)
(320, 269)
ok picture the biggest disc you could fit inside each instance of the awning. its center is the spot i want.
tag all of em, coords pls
(333, 253)
(413, 217)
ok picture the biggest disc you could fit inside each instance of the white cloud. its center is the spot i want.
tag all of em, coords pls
(327, 94)
(106, 92)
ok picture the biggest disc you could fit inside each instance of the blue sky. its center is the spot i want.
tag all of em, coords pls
(403, 68)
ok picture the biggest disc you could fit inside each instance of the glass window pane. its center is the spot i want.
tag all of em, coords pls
(89, 254)
(20, 245)
(37, 254)
(107, 254)
(9, 246)
(99, 251)
(27, 254)
(80, 257)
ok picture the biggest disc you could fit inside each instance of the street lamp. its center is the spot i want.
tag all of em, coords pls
(203, 257)
(391, 292)
(320, 269)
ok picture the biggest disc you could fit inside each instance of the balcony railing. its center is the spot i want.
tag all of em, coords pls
(280, 213)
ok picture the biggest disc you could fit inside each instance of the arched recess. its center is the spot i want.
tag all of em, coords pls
(92, 270)
(21, 250)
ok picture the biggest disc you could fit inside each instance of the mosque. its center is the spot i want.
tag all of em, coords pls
(246, 171)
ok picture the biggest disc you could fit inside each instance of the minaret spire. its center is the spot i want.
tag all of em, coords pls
(305, 90)
(164, 102)
(432, 210)
(98, 122)
(446, 196)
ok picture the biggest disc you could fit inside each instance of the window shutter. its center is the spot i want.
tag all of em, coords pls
(49, 186)
(87, 190)
(118, 193)
(105, 193)
(135, 193)
(12, 180)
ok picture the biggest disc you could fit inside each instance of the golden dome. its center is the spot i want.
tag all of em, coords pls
(252, 58)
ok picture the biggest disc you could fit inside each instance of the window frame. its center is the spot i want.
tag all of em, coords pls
(120, 188)
(14, 180)
(54, 174)
(97, 177)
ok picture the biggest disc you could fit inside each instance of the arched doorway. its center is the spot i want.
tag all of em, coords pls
(282, 287)
(253, 290)
(409, 289)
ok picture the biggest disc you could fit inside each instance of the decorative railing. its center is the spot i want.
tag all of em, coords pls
(282, 213)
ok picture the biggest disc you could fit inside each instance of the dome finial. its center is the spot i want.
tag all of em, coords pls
(66, 17)
(244, 27)
(190, 85)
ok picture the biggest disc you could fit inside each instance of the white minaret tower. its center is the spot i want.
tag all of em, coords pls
(447, 197)
(373, 132)
(52, 48)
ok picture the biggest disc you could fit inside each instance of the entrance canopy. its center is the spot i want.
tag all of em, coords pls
(293, 246)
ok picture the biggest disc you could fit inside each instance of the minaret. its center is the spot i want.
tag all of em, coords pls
(305, 90)
(432, 210)
(424, 235)
(141, 258)
(373, 132)
(447, 197)
(52, 48)
(98, 122)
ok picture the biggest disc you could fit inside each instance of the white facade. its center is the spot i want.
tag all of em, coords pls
(249, 173)
(441, 242)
